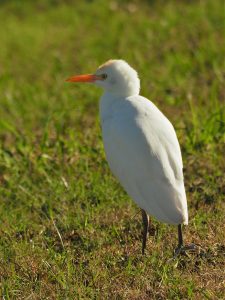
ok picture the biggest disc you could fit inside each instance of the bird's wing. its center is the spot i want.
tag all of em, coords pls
(144, 154)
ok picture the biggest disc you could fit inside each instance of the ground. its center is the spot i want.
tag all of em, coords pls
(68, 230)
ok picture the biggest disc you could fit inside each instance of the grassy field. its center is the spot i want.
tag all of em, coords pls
(68, 230)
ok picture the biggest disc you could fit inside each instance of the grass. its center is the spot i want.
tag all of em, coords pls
(68, 230)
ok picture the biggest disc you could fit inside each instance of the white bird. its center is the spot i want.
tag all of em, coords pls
(141, 147)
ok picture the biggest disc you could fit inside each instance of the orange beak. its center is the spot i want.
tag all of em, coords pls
(84, 78)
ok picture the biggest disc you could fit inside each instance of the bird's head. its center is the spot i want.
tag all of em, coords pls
(115, 77)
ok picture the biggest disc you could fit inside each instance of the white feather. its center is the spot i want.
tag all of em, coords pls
(140, 143)
(144, 154)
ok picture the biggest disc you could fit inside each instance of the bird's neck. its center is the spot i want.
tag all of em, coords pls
(107, 101)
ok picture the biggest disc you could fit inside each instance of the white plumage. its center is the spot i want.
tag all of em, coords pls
(141, 145)
(143, 153)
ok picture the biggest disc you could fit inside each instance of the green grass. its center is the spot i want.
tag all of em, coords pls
(68, 230)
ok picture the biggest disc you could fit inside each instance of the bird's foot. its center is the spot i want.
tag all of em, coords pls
(183, 249)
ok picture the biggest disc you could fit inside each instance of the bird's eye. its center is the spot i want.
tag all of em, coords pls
(104, 76)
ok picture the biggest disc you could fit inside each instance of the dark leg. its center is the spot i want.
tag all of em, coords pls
(180, 237)
(181, 249)
(145, 219)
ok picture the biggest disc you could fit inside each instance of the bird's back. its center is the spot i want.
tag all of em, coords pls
(144, 154)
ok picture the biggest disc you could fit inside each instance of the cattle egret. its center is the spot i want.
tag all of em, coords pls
(141, 147)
